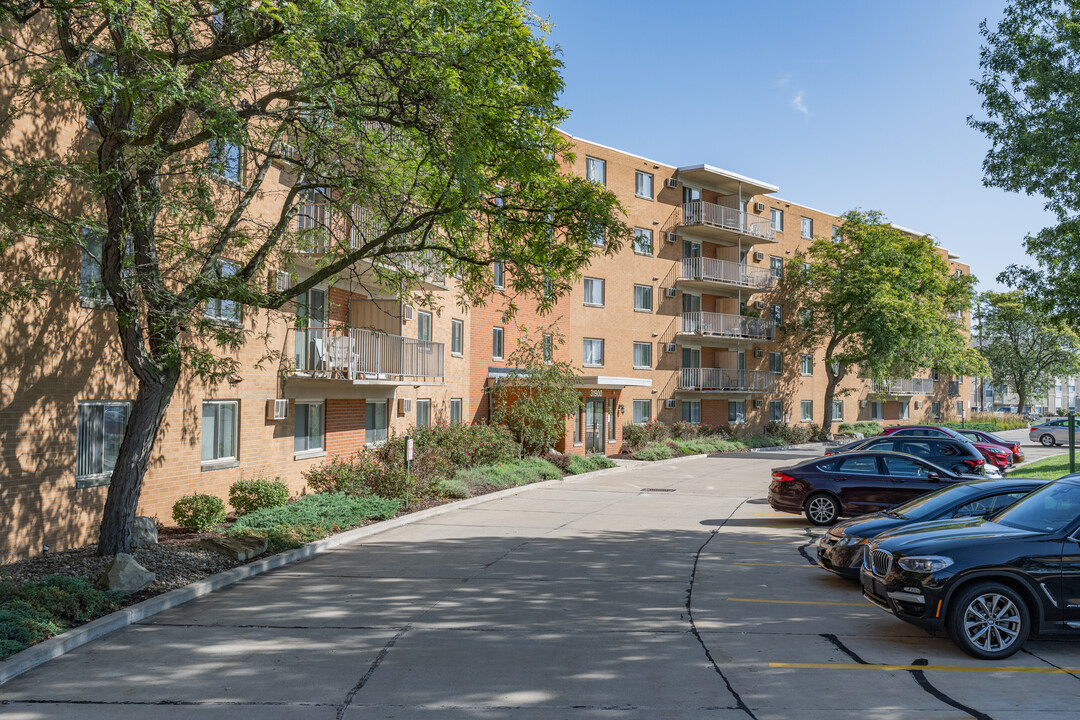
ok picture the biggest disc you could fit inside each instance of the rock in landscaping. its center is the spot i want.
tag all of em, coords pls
(858, 435)
(126, 575)
(240, 548)
(144, 532)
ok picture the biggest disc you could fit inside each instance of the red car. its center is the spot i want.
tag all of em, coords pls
(998, 453)
(979, 436)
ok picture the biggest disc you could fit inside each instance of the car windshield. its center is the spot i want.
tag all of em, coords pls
(1048, 509)
(928, 505)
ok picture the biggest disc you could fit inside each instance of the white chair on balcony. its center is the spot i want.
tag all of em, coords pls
(338, 356)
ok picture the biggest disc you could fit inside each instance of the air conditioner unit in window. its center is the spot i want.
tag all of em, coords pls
(862, 404)
(759, 207)
(759, 256)
(406, 312)
(918, 404)
(277, 409)
(670, 404)
(671, 237)
(670, 292)
(672, 183)
(759, 304)
(759, 403)
(670, 347)
(404, 405)
(282, 282)
(759, 353)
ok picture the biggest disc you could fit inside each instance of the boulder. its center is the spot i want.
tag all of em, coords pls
(126, 575)
(143, 532)
(857, 435)
(237, 547)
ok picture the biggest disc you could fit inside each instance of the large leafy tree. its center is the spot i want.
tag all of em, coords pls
(1024, 349)
(360, 135)
(1030, 74)
(880, 302)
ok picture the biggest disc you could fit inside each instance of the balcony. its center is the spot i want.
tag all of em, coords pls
(725, 225)
(726, 380)
(899, 387)
(365, 356)
(710, 272)
(720, 326)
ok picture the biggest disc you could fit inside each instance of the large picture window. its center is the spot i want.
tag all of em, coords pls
(642, 411)
(99, 429)
(219, 419)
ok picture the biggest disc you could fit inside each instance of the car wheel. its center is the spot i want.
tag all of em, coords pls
(989, 621)
(822, 509)
(1047, 440)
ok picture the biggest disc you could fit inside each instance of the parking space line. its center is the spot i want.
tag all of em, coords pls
(925, 668)
(772, 542)
(798, 565)
(798, 602)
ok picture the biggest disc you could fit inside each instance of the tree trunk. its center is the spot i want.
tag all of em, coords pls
(1022, 396)
(830, 391)
(147, 413)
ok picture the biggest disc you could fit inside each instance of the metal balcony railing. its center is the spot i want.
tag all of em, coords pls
(730, 326)
(357, 354)
(903, 386)
(706, 214)
(727, 272)
(726, 380)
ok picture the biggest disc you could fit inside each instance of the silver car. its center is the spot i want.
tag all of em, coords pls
(1052, 432)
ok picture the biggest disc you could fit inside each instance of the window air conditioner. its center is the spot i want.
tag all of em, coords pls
(759, 207)
(759, 353)
(759, 256)
(670, 292)
(670, 404)
(406, 312)
(759, 403)
(277, 409)
(862, 404)
(404, 405)
(283, 282)
(672, 237)
(672, 183)
(759, 304)
(670, 347)
(918, 404)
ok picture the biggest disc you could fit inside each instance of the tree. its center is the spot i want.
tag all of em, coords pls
(880, 300)
(1030, 70)
(538, 393)
(375, 137)
(1024, 350)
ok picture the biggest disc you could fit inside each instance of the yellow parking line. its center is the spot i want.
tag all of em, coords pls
(802, 565)
(798, 602)
(939, 668)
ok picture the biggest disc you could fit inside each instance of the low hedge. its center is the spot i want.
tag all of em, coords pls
(509, 474)
(702, 445)
(313, 517)
(868, 429)
(36, 611)
(578, 465)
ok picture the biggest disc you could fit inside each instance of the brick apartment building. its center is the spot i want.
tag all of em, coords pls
(677, 325)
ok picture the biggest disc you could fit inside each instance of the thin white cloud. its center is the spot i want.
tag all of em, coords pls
(798, 103)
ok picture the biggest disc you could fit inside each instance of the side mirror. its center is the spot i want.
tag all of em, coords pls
(933, 476)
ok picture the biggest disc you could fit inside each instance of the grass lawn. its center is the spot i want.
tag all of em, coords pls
(1050, 468)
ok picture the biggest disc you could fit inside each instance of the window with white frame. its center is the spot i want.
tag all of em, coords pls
(806, 364)
(935, 409)
(643, 298)
(499, 270)
(642, 355)
(455, 411)
(457, 337)
(836, 234)
(592, 352)
(776, 363)
(225, 160)
(375, 421)
(99, 430)
(776, 266)
(611, 420)
(423, 413)
(904, 409)
(496, 343)
(423, 326)
(806, 228)
(596, 170)
(877, 410)
(837, 410)
(643, 184)
(594, 291)
(224, 310)
(777, 216)
(91, 288)
(776, 312)
(309, 427)
(642, 411)
(806, 411)
(643, 241)
(959, 407)
(219, 420)
(805, 316)
(776, 411)
(599, 239)
(691, 411)
(549, 347)
(736, 412)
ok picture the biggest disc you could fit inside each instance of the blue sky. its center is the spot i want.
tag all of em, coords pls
(842, 104)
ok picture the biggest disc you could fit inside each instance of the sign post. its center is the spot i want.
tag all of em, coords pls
(408, 463)
(1072, 441)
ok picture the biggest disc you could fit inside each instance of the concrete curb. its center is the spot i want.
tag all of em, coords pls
(54, 647)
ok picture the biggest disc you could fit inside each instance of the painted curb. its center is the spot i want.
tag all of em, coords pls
(54, 647)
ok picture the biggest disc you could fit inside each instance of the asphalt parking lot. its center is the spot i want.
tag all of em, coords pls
(665, 591)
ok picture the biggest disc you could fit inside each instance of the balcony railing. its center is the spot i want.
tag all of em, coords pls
(726, 380)
(729, 326)
(727, 272)
(706, 214)
(903, 386)
(357, 354)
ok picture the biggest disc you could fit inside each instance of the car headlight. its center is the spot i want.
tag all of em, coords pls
(925, 563)
(850, 540)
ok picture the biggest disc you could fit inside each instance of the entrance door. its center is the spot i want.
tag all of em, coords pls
(691, 368)
(691, 308)
(594, 425)
(311, 331)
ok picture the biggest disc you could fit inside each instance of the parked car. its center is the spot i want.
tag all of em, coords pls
(958, 456)
(841, 549)
(992, 455)
(1051, 432)
(989, 582)
(854, 484)
(981, 436)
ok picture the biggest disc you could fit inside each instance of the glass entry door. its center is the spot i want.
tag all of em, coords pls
(691, 309)
(311, 331)
(594, 425)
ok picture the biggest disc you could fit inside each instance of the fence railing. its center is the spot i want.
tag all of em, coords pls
(726, 271)
(727, 380)
(903, 386)
(359, 354)
(724, 325)
(699, 212)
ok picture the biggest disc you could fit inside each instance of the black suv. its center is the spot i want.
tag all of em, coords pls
(988, 581)
(958, 456)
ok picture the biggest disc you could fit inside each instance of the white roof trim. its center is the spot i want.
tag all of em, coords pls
(728, 174)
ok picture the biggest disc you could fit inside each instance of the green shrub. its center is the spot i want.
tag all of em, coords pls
(576, 464)
(511, 474)
(250, 495)
(789, 434)
(653, 451)
(683, 430)
(460, 445)
(635, 435)
(757, 441)
(198, 512)
(335, 476)
(453, 488)
(38, 610)
(313, 517)
(603, 463)
(868, 429)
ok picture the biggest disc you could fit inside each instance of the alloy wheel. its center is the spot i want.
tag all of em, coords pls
(992, 622)
(822, 510)
(1047, 440)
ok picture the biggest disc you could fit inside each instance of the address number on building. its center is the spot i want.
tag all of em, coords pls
(596, 393)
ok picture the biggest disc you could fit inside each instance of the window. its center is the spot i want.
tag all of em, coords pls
(455, 411)
(225, 160)
(804, 318)
(423, 326)
(596, 170)
(642, 411)
(308, 428)
(643, 355)
(643, 241)
(806, 364)
(959, 407)
(499, 268)
(987, 505)
(375, 422)
(99, 429)
(691, 411)
(836, 234)
(423, 413)
(577, 425)
(776, 363)
(599, 239)
(877, 410)
(904, 405)
(838, 410)
(806, 228)
(457, 337)
(219, 430)
(777, 216)
(905, 467)
(643, 298)
(776, 312)
(594, 291)
(90, 287)
(806, 411)
(496, 343)
(592, 352)
(611, 420)
(858, 466)
(549, 347)
(776, 411)
(643, 184)
(776, 266)
(736, 412)
(224, 310)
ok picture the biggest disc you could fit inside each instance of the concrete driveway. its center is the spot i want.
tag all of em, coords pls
(666, 591)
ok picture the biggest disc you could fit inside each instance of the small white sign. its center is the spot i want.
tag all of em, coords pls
(408, 449)
(596, 393)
